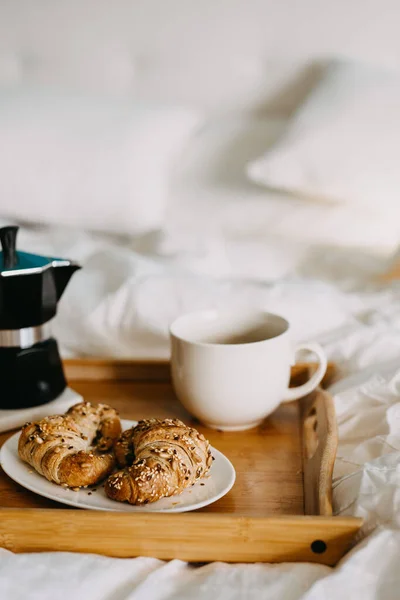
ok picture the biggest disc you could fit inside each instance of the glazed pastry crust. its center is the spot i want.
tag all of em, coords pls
(75, 449)
(159, 458)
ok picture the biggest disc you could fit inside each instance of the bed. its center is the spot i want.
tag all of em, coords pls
(222, 242)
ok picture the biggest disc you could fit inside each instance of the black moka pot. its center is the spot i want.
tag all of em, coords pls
(31, 371)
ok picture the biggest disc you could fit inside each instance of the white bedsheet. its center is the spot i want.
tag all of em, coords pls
(121, 303)
(366, 483)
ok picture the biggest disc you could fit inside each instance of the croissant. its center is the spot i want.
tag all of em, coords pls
(74, 449)
(160, 458)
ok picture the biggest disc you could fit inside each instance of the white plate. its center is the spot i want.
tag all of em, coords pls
(216, 484)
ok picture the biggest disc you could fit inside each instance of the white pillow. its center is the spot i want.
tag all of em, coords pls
(94, 163)
(248, 219)
(343, 144)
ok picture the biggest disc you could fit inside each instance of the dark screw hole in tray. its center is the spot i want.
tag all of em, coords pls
(318, 547)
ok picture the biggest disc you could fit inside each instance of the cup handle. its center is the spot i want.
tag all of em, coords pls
(309, 386)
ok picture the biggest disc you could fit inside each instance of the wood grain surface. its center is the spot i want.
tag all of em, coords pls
(268, 459)
(189, 536)
(320, 441)
(260, 519)
(86, 369)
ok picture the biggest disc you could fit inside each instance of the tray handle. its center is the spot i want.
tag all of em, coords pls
(319, 445)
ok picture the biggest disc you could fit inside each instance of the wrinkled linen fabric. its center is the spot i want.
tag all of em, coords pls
(121, 305)
(366, 483)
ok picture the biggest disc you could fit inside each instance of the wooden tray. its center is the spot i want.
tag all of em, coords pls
(278, 510)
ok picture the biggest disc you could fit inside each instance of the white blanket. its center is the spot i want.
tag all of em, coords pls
(121, 304)
(122, 301)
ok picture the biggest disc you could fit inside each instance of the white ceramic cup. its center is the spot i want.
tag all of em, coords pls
(231, 369)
